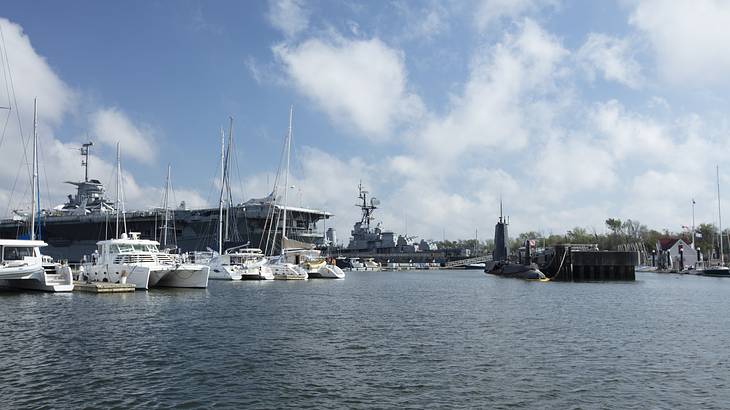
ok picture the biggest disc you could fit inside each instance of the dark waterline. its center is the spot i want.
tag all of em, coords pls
(376, 339)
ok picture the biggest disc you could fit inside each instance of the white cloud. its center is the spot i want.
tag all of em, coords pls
(573, 165)
(630, 135)
(612, 58)
(361, 83)
(510, 90)
(690, 38)
(110, 125)
(423, 23)
(489, 12)
(288, 16)
(32, 77)
(59, 160)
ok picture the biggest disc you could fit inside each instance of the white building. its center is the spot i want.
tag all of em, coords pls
(668, 254)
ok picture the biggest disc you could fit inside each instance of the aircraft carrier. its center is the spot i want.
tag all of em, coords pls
(72, 229)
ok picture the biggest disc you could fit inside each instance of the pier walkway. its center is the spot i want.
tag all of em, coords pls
(463, 262)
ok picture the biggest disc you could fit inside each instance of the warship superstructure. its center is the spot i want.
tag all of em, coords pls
(374, 239)
(71, 230)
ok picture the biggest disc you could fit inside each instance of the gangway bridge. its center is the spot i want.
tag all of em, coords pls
(463, 262)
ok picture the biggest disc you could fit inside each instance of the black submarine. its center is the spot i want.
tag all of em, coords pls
(500, 264)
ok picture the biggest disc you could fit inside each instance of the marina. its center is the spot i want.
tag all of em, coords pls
(389, 339)
(297, 204)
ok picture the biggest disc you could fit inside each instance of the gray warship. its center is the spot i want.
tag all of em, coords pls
(369, 241)
(373, 239)
(72, 229)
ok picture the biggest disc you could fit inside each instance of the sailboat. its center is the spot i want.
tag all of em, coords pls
(240, 262)
(719, 270)
(21, 263)
(130, 259)
(280, 267)
(297, 261)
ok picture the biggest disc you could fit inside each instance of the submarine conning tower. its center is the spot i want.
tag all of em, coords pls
(501, 238)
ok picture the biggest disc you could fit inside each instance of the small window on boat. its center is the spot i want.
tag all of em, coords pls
(122, 247)
(16, 253)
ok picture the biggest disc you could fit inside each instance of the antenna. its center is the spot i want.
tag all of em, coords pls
(500, 208)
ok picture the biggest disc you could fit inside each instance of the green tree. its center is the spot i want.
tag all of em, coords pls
(614, 224)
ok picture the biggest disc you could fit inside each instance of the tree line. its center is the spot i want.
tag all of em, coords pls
(617, 233)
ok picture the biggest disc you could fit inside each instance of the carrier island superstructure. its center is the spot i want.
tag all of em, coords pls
(72, 229)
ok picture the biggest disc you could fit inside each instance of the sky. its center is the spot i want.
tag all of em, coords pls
(570, 111)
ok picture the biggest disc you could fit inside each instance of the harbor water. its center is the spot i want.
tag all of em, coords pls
(444, 339)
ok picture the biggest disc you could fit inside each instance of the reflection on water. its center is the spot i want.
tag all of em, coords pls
(375, 339)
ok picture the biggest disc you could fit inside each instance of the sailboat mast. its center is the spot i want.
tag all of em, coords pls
(167, 192)
(693, 223)
(228, 175)
(286, 178)
(119, 181)
(719, 214)
(220, 200)
(35, 170)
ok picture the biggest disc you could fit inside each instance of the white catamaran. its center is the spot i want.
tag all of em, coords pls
(140, 262)
(130, 259)
(21, 263)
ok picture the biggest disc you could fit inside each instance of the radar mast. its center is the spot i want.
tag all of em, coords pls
(85, 161)
(366, 207)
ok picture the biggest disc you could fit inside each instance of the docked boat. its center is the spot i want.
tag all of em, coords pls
(717, 270)
(314, 264)
(281, 267)
(283, 270)
(140, 262)
(21, 263)
(238, 262)
(22, 266)
(235, 264)
(296, 260)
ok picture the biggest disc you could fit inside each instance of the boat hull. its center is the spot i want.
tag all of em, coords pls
(137, 275)
(327, 272)
(222, 272)
(288, 271)
(514, 270)
(716, 273)
(37, 277)
(183, 276)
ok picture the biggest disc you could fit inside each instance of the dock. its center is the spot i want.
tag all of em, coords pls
(103, 287)
(582, 263)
